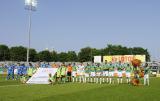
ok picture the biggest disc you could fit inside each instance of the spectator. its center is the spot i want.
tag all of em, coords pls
(146, 74)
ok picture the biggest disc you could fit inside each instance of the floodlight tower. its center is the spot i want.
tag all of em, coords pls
(30, 5)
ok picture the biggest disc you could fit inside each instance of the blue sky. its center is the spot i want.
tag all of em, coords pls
(72, 24)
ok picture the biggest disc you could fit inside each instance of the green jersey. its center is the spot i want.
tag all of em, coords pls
(87, 69)
(34, 70)
(74, 68)
(63, 70)
(121, 67)
(131, 68)
(23, 79)
(51, 79)
(98, 69)
(106, 67)
(146, 70)
(128, 69)
(102, 67)
(125, 65)
(92, 68)
(30, 71)
(111, 67)
(59, 72)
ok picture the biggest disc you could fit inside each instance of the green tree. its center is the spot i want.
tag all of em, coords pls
(95, 52)
(138, 50)
(45, 56)
(121, 50)
(72, 56)
(32, 55)
(62, 57)
(18, 53)
(4, 53)
(116, 50)
(105, 51)
(85, 54)
(141, 51)
(147, 55)
(54, 56)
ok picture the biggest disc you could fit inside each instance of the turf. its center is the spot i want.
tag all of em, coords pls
(14, 91)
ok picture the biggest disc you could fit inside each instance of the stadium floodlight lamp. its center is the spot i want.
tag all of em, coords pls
(30, 5)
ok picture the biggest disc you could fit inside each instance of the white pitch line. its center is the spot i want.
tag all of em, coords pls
(10, 86)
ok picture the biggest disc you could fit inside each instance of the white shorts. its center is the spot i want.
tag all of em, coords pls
(105, 73)
(128, 74)
(74, 73)
(86, 74)
(93, 74)
(119, 74)
(98, 74)
(111, 73)
(123, 72)
(78, 72)
(146, 76)
(81, 73)
(15, 71)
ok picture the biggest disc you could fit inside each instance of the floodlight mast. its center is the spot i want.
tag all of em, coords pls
(30, 5)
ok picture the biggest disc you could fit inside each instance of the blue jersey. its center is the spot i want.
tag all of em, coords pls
(11, 69)
(43, 65)
(24, 70)
(48, 66)
(19, 70)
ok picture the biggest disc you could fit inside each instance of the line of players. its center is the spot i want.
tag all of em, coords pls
(18, 71)
(98, 73)
(102, 73)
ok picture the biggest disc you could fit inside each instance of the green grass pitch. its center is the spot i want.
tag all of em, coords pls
(14, 91)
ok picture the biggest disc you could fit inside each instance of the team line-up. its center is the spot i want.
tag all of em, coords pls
(100, 73)
(94, 72)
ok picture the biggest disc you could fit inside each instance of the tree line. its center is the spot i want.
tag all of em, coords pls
(86, 54)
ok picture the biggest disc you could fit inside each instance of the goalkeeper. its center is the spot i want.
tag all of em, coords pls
(52, 79)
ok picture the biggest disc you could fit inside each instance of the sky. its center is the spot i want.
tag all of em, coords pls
(66, 25)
